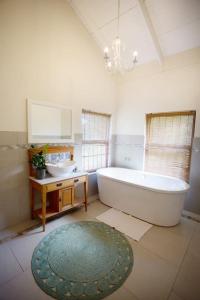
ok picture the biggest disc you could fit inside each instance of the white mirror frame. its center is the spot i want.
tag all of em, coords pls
(45, 139)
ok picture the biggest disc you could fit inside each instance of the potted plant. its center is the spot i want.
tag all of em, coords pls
(38, 161)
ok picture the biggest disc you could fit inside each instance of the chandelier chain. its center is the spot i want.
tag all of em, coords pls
(115, 61)
(118, 16)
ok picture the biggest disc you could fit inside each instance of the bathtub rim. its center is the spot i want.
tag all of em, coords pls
(183, 191)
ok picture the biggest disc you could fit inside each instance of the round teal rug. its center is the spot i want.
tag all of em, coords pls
(85, 260)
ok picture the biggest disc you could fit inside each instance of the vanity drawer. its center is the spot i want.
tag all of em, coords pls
(59, 185)
(80, 179)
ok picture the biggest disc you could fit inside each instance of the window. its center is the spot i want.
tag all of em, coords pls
(95, 144)
(169, 138)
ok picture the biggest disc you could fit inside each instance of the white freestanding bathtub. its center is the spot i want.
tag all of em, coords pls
(151, 197)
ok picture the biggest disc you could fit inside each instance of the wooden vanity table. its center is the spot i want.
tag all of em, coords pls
(57, 192)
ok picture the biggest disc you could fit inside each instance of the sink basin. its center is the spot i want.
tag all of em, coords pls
(61, 169)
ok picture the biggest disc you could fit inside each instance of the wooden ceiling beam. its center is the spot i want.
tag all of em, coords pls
(150, 28)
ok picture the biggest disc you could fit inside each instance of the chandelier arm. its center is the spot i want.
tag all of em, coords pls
(118, 18)
(115, 62)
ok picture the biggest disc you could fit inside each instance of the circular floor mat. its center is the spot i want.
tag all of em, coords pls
(85, 260)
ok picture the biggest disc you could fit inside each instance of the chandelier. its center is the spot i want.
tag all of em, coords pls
(115, 60)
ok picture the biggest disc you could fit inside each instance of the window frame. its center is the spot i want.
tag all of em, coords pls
(105, 142)
(149, 117)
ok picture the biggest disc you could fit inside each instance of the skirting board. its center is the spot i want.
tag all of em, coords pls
(93, 198)
(11, 232)
(189, 214)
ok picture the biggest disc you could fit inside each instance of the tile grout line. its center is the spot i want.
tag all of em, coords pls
(9, 280)
(16, 275)
(181, 298)
(27, 229)
(16, 258)
(157, 255)
(179, 269)
(14, 235)
(165, 259)
(160, 257)
(19, 233)
(126, 289)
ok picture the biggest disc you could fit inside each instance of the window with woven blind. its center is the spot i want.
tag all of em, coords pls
(95, 142)
(169, 138)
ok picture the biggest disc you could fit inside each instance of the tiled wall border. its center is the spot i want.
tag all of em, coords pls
(19, 140)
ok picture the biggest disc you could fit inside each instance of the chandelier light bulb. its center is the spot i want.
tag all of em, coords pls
(117, 41)
(106, 50)
(106, 56)
(109, 64)
(116, 59)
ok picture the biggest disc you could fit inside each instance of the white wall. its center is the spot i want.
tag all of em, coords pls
(173, 86)
(47, 55)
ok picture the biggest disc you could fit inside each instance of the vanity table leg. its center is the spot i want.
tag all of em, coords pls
(44, 196)
(32, 200)
(85, 193)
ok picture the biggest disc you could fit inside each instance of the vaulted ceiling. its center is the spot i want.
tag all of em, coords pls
(155, 28)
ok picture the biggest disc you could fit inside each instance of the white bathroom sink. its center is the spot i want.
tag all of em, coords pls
(61, 169)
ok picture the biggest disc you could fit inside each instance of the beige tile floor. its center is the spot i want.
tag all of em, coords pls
(166, 262)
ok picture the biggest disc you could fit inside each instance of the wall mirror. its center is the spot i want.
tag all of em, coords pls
(49, 122)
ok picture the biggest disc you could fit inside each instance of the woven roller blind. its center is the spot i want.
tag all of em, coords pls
(95, 144)
(169, 139)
